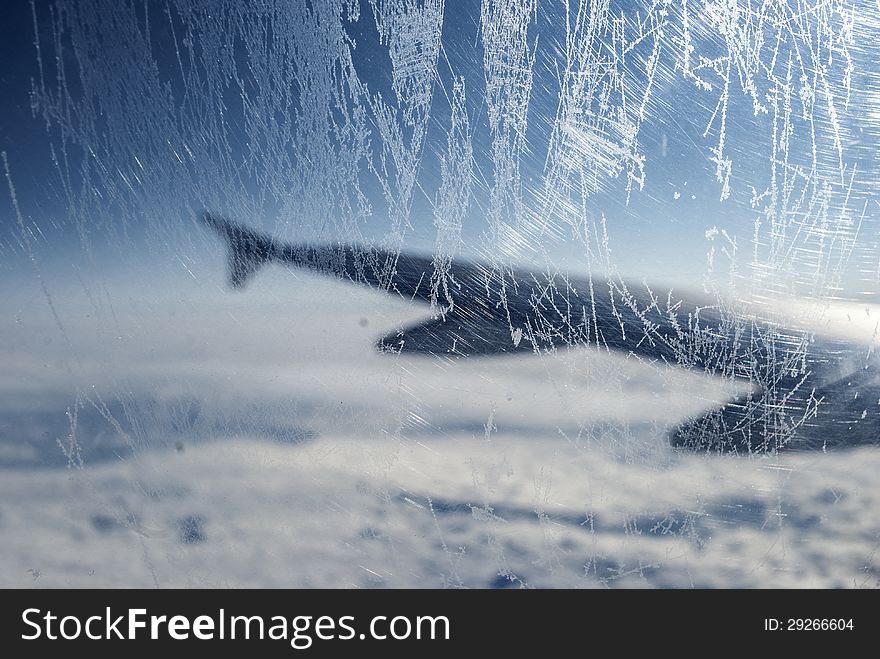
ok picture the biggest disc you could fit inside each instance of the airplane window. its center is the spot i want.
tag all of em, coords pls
(414, 293)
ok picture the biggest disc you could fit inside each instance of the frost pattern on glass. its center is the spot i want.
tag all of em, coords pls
(453, 198)
(263, 111)
(503, 163)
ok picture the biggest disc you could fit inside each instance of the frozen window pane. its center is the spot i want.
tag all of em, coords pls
(502, 293)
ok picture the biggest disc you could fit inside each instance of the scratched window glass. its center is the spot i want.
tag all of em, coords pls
(414, 293)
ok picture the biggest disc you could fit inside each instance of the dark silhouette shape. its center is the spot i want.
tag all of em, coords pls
(806, 394)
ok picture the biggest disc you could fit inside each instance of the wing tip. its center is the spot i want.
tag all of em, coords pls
(247, 251)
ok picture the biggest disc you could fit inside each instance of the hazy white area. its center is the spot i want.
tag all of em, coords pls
(258, 439)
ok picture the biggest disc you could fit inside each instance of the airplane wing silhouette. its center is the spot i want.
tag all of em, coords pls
(803, 392)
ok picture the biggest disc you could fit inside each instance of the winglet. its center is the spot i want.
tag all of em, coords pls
(248, 250)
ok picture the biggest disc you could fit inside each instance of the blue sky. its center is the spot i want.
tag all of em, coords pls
(133, 61)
